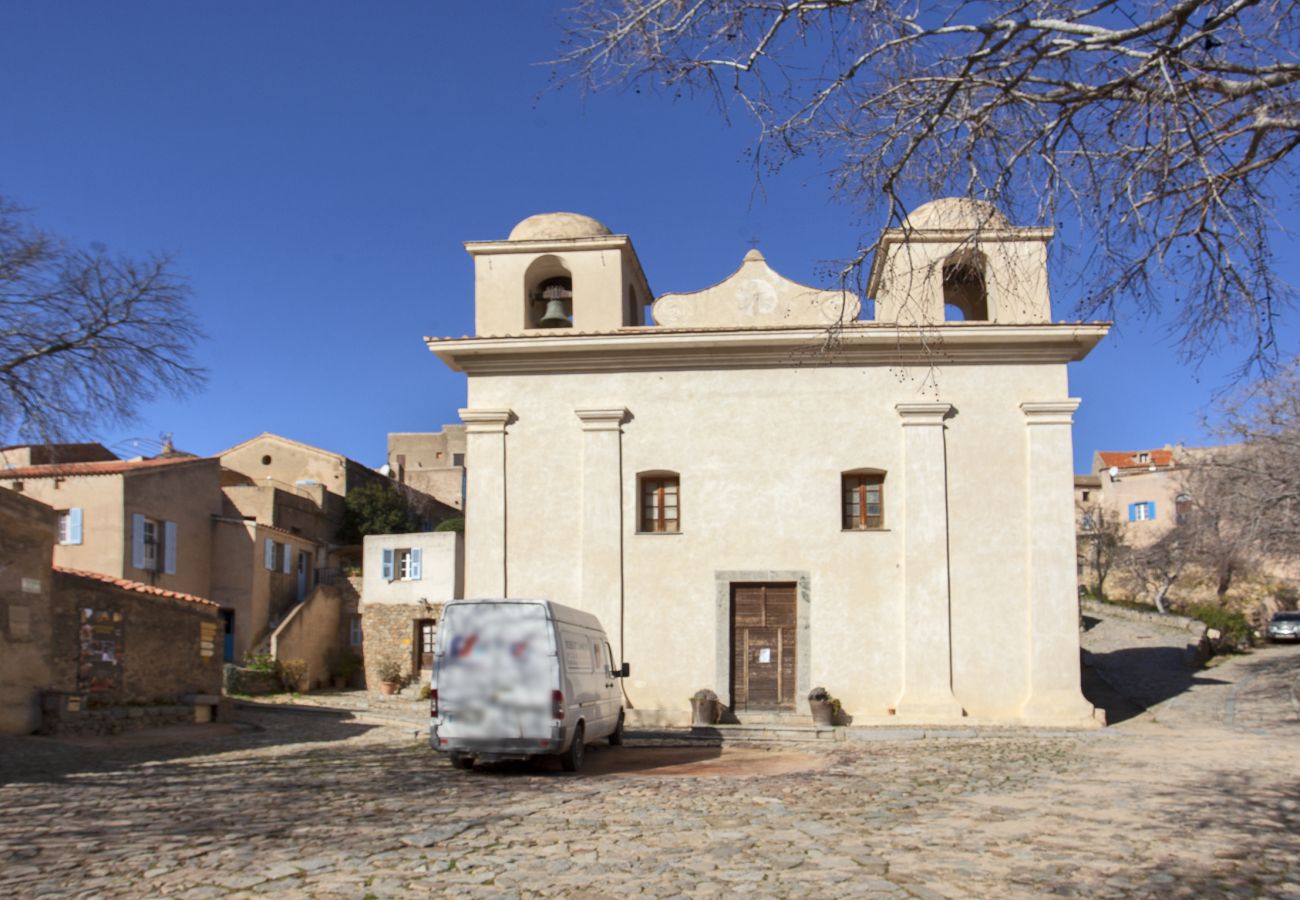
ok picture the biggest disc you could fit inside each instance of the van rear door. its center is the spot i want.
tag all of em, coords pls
(496, 668)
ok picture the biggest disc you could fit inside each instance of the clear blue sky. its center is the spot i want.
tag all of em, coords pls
(315, 166)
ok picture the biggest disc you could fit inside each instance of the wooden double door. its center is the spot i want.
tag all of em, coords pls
(764, 649)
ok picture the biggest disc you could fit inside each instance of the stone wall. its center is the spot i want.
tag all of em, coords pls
(389, 634)
(27, 530)
(136, 646)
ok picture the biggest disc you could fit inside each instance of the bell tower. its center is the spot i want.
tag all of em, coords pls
(557, 271)
(961, 260)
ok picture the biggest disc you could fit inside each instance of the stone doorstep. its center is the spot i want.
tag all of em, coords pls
(765, 732)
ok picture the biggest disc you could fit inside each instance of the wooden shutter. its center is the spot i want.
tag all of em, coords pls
(416, 558)
(286, 564)
(388, 564)
(268, 554)
(169, 548)
(74, 525)
(137, 540)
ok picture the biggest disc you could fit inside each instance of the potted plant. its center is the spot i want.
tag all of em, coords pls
(390, 676)
(706, 709)
(826, 710)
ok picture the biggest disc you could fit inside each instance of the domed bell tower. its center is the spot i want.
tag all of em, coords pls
(961, 260)
(557, 271)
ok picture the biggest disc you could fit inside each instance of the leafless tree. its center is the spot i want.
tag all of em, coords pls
(1158, 565)
(1163, 129)
(1246, 494)
(1101, 544)
(85, 337)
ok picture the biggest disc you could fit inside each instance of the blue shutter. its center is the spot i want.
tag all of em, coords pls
(1151, 510)
(416, 553)
(169, 548)
(1132, 512)
(286, 565)
(74, 525)
(268, 554)
(137, 540)
(388, 565)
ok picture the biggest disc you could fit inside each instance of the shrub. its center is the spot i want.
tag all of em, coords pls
(293, 674)
(263, 663)
(457, 525)
(230, 678)
(390, 670)
(1233, 625)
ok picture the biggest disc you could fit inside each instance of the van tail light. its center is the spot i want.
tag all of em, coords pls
(557, 705)
(433, 703)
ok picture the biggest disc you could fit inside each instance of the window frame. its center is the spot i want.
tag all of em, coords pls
(652, 517)
(860, 481)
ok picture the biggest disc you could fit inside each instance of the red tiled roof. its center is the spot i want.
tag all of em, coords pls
(1124, 459)
(112, 467)
(137, 586)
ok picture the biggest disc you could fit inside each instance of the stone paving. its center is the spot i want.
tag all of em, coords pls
(1199, 796)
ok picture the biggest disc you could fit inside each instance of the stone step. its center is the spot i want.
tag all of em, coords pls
(767, 732)
(783, 719)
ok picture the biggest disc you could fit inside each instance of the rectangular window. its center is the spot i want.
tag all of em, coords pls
(1143, 511)
(409, 564)
(354, 631)
(151, 541)
(458, 459)
(864, 501)
(659, 504)
(70, 526)
(268, 554)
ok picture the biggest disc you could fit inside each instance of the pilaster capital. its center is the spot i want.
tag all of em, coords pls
(1050, 412)
(486, 421)
(914, 414)
(604, 418)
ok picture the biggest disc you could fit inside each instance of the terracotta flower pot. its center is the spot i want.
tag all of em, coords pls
(389, 687)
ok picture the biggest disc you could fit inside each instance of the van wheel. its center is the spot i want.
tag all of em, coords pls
(462, 761)
(571, 759)
(616, 739)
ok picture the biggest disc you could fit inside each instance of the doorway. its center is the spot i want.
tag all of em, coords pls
(425, 633)
(764, 646)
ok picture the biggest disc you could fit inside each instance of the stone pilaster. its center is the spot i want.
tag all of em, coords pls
(602, 519)
(485, 501)
(927, 645)
(1054, 693)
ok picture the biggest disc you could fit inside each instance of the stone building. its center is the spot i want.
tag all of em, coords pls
(890, 518)
(89, 651)
(431, 462)
(406, 579)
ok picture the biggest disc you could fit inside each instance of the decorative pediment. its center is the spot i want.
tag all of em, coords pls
(755, 295)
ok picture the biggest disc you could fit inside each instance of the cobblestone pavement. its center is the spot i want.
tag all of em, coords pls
(1199, 796)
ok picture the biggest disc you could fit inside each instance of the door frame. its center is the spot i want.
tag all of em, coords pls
(803, 603)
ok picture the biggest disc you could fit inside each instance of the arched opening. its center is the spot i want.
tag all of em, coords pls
(548, 294)
(965, 293)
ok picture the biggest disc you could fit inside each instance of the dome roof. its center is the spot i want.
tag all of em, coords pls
(957, 212)
(557, 226)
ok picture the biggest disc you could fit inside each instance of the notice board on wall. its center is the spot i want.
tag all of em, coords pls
(103, 645)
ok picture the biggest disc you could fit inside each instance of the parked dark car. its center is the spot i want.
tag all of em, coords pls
(1284, 627)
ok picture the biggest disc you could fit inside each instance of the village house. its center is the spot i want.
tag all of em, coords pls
(430, 462)
(760, 492)
(88, 652)
(1138, 488)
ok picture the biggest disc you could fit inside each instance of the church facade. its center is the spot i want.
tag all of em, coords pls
(758, 491)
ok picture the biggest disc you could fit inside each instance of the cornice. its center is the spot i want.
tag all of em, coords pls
(647, 349)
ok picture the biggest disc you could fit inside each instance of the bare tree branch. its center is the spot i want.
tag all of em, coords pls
(1163, 129)
(85, 338)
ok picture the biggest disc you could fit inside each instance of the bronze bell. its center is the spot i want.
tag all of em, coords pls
(556, 315)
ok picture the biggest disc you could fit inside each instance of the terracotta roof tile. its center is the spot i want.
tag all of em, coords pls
(1124, 459)
(137, 586)
(113, 467)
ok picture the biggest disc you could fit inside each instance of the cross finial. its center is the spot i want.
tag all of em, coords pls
(753, 242)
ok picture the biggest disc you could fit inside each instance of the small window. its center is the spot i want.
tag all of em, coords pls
(152, 539)
(354, 631)
(402, 564)
(1087, 523)
(660, 510)
(1144, 511)
(1086, 496)
(864, 500)
(266, 460)
(1144, 457)
(458, 459)
(1183, 509)
(70, 526)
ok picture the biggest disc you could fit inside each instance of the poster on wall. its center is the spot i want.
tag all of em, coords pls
(99, 665)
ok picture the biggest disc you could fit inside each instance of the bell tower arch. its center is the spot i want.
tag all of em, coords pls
(554, 271)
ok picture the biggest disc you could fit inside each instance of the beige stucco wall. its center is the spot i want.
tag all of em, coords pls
(27, 530)
(310, 633)
(1135, 486)
(442, 568)
(241, 581)
(188, 494)
(759, 453)
(424, 461)
(105, 531)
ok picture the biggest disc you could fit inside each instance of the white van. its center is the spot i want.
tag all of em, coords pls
(513, 679)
